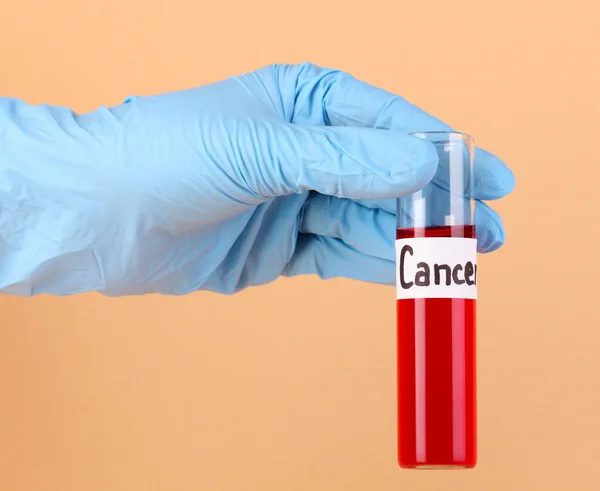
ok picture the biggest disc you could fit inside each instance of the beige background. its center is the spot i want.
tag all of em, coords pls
(247, 393)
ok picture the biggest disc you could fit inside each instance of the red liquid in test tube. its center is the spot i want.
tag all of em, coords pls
(436, 373)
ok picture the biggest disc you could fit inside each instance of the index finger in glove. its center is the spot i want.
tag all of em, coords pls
(321, 96)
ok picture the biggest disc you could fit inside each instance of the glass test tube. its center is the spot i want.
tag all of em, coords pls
(436, 273)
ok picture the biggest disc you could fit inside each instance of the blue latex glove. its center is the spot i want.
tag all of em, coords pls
(288, 170)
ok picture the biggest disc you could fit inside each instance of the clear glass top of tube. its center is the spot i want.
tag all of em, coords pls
(447, 200)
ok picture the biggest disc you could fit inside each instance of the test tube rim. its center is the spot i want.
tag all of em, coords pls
(460, 135)
(465, 137)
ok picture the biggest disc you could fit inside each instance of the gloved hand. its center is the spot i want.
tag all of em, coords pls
(288, 170)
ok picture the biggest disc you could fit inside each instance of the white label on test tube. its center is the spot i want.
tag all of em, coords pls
(436, 267)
